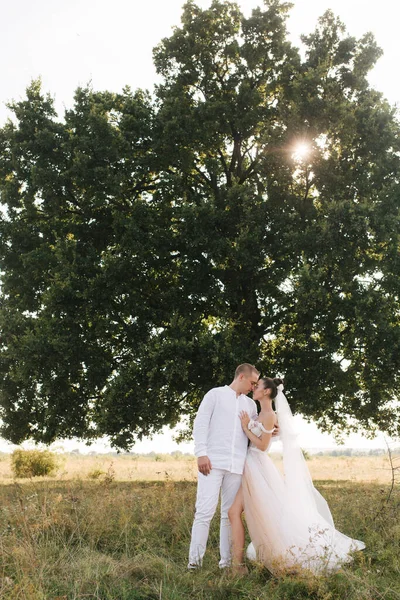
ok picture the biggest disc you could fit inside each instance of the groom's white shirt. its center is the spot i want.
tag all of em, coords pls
(217, 429)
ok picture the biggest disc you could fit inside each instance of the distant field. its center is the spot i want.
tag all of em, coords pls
(164, 467)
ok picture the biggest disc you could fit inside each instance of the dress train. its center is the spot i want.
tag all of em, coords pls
(289, 530)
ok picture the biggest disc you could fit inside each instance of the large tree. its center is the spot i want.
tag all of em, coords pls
(151, 243)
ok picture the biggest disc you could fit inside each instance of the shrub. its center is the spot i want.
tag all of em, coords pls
(95, 474)
(32, 463)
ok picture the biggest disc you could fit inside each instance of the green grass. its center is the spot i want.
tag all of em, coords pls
(129, 541)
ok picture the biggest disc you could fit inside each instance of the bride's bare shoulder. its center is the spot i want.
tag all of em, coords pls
(268, 420)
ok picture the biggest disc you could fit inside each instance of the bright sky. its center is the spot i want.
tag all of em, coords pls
(69, 43)
(310, 438)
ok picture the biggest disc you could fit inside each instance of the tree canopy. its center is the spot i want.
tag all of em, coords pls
(247, 210)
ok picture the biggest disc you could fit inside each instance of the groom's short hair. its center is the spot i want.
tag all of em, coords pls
(247, 369)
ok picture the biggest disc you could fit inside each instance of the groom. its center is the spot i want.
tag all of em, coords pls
(220, 447)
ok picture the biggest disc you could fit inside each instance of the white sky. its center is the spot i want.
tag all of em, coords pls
(69, 43)
(310, 438)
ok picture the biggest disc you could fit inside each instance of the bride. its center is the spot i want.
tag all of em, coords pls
(289, 522)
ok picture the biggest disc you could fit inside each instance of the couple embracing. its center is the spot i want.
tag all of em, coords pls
(289, 522)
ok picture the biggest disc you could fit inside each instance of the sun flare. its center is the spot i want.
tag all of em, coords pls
(301, 151)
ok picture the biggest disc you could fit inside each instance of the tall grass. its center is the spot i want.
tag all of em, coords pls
(105, 539)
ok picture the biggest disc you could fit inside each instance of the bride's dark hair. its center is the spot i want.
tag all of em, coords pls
(272, 384)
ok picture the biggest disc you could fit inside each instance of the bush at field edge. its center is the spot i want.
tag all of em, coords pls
(33, 463)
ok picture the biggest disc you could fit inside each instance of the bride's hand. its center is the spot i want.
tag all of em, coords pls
(244, 419)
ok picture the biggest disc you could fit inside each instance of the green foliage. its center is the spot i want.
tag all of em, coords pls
(33, 463)
(151, 244)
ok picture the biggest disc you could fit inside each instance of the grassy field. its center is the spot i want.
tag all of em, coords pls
(162, 467)
(119, 537)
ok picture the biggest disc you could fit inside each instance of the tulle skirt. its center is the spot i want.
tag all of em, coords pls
(287, 534)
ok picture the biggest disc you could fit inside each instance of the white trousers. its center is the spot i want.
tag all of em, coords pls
(208, 489)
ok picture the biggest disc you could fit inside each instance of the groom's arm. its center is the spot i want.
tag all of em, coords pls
(200, 432)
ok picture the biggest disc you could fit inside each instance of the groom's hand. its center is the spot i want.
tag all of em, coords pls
(276, 431)
(204, 465)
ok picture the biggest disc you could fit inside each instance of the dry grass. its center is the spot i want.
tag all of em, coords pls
(118, 528)
(116, 540)
(373, 469)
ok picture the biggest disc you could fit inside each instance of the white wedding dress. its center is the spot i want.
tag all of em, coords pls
(289, 522)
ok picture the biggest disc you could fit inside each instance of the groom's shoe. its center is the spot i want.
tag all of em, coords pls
(193, 566)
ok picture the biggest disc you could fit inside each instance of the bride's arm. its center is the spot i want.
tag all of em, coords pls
(260, 442)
